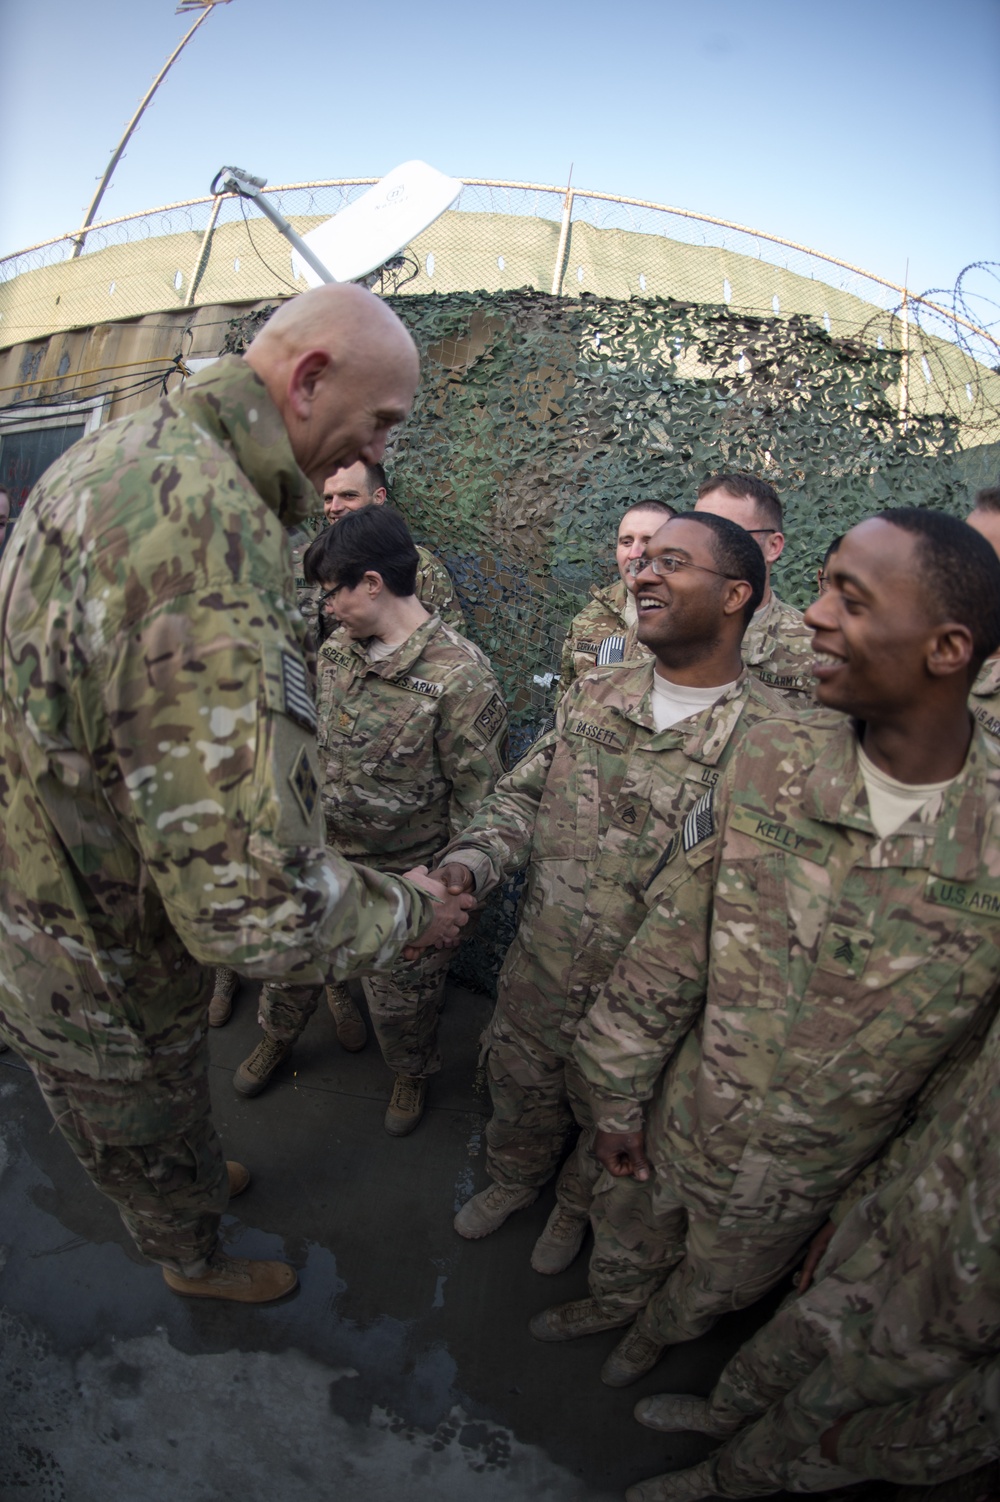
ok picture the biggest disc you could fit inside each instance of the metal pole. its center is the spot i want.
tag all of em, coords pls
(284, 228)
(202, 250)
(557, 274)
(904, 365)
(105, 180)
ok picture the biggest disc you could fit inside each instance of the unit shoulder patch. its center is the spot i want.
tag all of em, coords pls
(302, 781)
(489, 720)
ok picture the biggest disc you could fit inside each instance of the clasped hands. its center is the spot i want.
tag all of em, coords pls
(451, 887)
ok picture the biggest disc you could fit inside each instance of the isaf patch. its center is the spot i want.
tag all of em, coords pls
(489, 720)
(302, 780)
(700, 823)
(298, 701)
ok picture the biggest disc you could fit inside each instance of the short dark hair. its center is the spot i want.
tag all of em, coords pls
(735, 554)
(831, 549)
(654, 504)
(740, 485)
(961, 570)
(376, 477)
(988, 499)
(375, 539)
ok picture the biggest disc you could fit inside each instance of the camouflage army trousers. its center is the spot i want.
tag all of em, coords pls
(150, 1146)
(681, 1267)
(538, 1102)
(405, 1006)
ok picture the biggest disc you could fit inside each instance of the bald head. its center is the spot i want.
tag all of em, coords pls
(342, 371)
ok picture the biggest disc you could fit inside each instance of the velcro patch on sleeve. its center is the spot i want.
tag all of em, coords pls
(302, 781)
(297, 700)
(489, 720)
(611, 651)
(700, 822)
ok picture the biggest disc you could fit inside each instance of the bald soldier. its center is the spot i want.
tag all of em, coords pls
(778, 646)
(159, 801)
(848, 872)
(984, 701)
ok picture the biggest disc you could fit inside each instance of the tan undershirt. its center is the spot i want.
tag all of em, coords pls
(891, 802)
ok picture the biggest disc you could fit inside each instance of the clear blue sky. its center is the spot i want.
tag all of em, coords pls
(869, 129)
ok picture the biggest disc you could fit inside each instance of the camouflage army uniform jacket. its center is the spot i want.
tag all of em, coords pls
(778, 650)
(984, 701)
(906, 1306)
(599, 636)
(159, 798)
(433, 589)
(410, 745)
(595, 804)
(841, 970)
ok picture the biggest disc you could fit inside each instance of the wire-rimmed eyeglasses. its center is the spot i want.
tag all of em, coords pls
(667, 564)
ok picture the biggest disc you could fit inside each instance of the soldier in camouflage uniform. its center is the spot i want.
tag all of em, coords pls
(348, 489)
(604, 631)
(984, 701)
(854, 943)
(159, 801)
(595, 807)
(886, 1367)
(778, 645)
(412, 737)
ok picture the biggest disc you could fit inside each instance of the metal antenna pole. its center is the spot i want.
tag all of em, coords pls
(236, 180)
(207, 7)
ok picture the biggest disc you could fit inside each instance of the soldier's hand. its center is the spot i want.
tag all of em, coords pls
(828, 1441)
(450, 915)
(817, 1247)
(623, 1154)
(456, 878)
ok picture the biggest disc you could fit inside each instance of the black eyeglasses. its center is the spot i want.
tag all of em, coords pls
(760, 531)
(663, 567)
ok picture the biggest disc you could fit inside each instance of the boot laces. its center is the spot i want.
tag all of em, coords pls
(406, 1094)
(267, 1053)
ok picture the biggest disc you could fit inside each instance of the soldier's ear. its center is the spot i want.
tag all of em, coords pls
(307, 373)
(374, 581)
(736, 596)
(949, 650)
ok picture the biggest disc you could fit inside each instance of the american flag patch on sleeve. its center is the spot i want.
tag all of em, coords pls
(298, 700)
(700, 822)
(611, 650)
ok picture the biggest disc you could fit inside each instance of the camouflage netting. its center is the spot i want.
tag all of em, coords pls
(539, 419)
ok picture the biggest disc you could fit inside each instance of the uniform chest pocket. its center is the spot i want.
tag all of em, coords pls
(922, 988)
(404, 747)
(750, 933)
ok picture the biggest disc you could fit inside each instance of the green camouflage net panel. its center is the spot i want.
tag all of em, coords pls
(539, 419)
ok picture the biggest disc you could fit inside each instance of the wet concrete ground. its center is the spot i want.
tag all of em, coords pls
(402, 1368)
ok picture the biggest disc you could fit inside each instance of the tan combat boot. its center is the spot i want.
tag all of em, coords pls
(678, 1413)
(578, 1317)
(406, 1106)
(351, 1031)
(633, 1356)
(236, 1279)
(239, 1178)
(487, 1210)
(560, 1242)
(253, 1074)
(221, 1006)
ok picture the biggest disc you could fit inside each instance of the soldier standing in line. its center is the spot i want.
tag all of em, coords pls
(886, 1366)
(984, 701)
(159, 803)
(350, 488)
(412, 738)
(850, 881)
(778, 646)
(604, 632)
(594, 807)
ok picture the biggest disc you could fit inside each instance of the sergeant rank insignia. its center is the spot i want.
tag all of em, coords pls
(303, 783)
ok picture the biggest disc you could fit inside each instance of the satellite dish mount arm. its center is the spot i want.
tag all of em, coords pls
(235, 180)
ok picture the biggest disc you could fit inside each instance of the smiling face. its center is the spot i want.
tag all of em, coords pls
(635, 529)
(348, 490)
(685, 613)
(875, 629)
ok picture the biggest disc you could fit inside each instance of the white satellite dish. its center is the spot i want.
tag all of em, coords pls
(380, 223)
